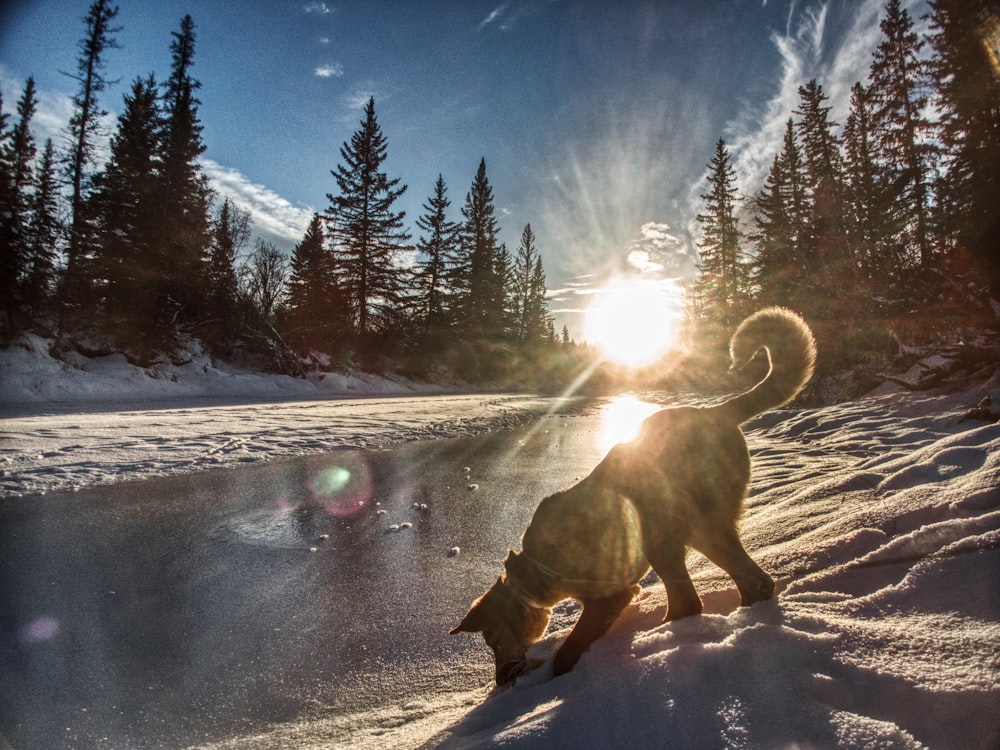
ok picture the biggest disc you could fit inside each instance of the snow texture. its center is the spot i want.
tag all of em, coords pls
(103, 420)
(879, 518)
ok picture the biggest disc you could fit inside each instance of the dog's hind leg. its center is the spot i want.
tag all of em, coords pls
(667, 560)
(725, 550)
(598, 615)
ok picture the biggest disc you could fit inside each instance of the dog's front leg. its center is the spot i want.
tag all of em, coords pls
(598, 615)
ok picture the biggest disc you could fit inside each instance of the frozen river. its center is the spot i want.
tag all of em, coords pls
(180, 610)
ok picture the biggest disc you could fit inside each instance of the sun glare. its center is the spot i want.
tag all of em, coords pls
(621, 420)
(634, 324)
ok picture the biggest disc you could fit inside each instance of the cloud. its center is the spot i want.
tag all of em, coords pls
(809, 49)
(493, 16)
(52, 114)
(274, 217)
(330, 70)
(319, 8)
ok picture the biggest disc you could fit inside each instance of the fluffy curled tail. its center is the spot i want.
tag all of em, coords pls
(791, 351)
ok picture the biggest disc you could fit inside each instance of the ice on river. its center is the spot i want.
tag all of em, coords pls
(879, 518)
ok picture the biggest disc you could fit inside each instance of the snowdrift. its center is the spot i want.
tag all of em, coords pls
(29, 374)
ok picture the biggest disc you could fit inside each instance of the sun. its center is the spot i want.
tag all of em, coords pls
(635, 323)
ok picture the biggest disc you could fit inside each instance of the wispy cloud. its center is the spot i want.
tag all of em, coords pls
(808, 50)
(330, 70)
(319, 8)
(52, 115)
(495, 14)
(274, 217)
(755, 136)
(358, 99)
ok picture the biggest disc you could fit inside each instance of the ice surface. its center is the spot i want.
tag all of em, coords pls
(879, 518)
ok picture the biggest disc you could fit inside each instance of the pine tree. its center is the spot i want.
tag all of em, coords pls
(124, 209)
(722, 283)
(867, 203)
(230, 234)
(528, 291)
(84, 129)
(968, 88)
(316, 310)
(438, 254)
(830, 269)
(479, 275)
(43, 232)
(780, 217)
(186, 198)
(897, 88)
(18, 164)
(367, 233)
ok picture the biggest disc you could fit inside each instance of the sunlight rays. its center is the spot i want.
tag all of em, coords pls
(635, 323)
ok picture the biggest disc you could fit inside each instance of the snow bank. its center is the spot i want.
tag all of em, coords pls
(880, 520)
(30, 375)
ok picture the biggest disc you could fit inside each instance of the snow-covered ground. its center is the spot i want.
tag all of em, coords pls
(102, 420)
(880, 518)
(881, 521)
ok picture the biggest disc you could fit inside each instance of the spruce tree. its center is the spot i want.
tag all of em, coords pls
(18, 164)
(84, 130)
(866, 203)
(830, 267)
(230, 234)
(185, 195)
(366, 231)
(316, 312)
(438, 254)
(781, 221)
(968, 88)
(898, 89)
(722, 284)
(479, 275)
(528, 291)
(124, 208)
(43, 232)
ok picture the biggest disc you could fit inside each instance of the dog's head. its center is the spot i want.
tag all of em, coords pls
(509, 626)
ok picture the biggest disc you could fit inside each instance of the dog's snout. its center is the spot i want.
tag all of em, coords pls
(508, 671)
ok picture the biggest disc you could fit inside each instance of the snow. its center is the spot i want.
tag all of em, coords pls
(879, 519)
(102, 420)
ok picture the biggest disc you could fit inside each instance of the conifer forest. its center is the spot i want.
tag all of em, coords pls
(873, 228)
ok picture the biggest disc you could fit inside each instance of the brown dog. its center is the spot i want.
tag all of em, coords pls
(681, 483)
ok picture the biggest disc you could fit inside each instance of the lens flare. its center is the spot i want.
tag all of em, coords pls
(340, 483)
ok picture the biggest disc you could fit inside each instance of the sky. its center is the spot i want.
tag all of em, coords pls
(596, 120)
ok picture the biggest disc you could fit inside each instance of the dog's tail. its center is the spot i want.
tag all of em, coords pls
(791, 352)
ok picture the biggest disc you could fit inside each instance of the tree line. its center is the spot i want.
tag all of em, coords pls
(138, 252)
(878, 217)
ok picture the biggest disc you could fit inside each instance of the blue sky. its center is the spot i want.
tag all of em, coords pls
(596, 119)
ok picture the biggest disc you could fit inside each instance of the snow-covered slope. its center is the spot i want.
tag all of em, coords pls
(29, 375)
(880, 519)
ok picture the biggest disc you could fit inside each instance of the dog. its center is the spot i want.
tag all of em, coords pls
(681, 483)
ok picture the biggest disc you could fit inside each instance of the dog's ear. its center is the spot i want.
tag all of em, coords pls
(475, 619)
(471, 623)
